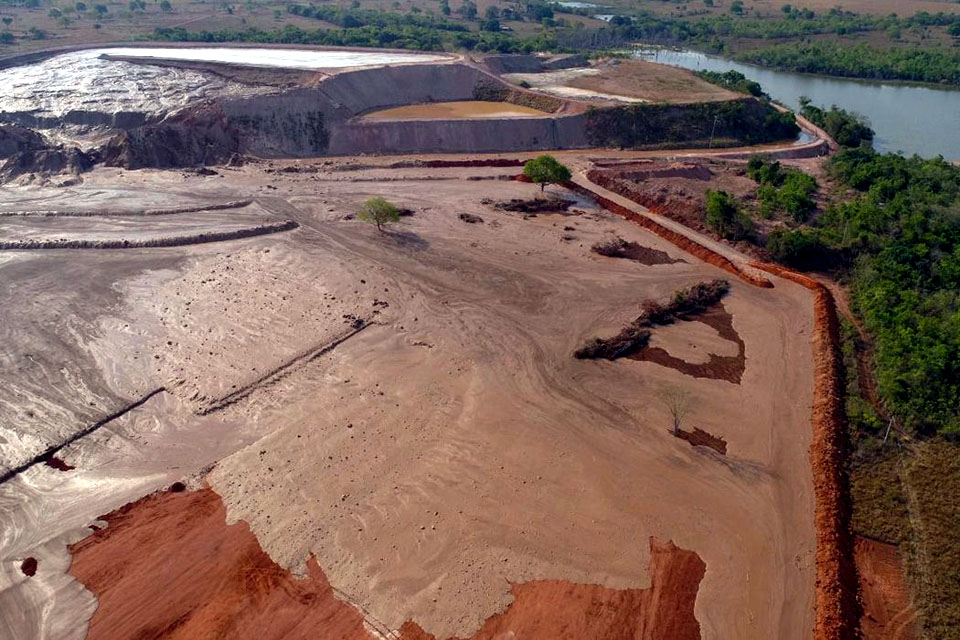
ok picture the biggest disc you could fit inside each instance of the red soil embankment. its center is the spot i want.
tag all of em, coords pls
(836, 597)
(678, 239)
(660, 201)
(888, 613)
(168, 566)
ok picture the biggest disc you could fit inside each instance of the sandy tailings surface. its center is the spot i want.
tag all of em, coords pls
(397, 417)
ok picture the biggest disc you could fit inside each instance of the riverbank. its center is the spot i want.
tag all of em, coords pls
(906, 117)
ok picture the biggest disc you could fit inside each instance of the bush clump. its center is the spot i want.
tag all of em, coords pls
(725, 216)
(686, 302)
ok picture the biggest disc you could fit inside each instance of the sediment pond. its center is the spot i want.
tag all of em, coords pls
(465, 109)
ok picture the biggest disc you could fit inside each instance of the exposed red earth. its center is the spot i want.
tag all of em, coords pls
(562, 610)
(143, 568)
(718, 367)
(837, 586)
(888, 613)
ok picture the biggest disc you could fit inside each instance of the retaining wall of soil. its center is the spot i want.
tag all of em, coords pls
(837, 612)
(172, 241)
(324, 119)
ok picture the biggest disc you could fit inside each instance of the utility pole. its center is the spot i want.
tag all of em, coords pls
(712, 131)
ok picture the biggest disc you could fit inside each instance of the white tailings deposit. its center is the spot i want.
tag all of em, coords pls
(280, 58)
(75, 87)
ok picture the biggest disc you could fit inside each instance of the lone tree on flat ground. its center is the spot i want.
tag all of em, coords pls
(378, 211)
(679, 404)
(546, 170)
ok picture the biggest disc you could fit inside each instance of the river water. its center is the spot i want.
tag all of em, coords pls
(907, 118)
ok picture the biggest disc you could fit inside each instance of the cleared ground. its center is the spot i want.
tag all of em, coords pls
(426, 460)
(626, 80)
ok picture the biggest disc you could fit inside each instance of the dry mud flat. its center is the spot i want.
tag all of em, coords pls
(447, 469)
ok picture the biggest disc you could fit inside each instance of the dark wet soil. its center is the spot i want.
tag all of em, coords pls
(729, 368)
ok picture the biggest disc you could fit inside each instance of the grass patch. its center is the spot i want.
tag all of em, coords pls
(933, 479)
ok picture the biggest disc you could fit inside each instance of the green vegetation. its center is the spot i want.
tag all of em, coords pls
(379, 212)
(722, 33)
(733, 80)
(782, 190)
(798, 248)
(725, 216)
(353, 18)
(397, 36)
(848, 129)
(901, 236)
(919, 64)
(546, 170)
(717, 124)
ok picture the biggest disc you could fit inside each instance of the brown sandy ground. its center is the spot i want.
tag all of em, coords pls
(451, 449)
(156, 547)
(651, 82)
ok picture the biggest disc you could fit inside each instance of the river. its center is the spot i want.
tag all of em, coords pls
(908, 118)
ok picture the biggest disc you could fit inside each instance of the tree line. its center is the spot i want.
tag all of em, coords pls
(928, 64)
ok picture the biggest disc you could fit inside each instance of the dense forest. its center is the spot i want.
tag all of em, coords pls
(861, 61)
(898, 239)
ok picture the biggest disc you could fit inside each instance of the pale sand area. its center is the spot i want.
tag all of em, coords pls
(450, 448)
(461, 110)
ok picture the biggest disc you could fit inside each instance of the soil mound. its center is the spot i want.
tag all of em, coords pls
(620, 248)
(532, 205)
(700, 438)
(689, 170)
